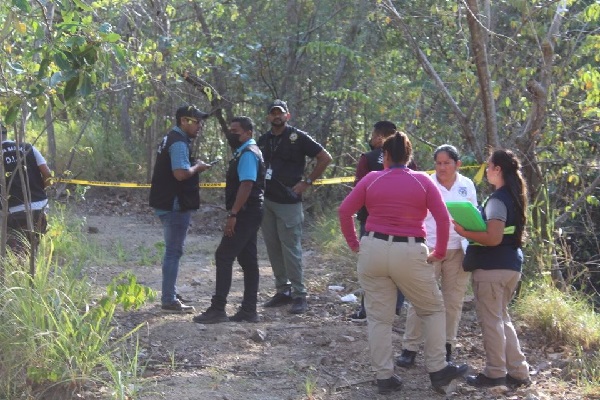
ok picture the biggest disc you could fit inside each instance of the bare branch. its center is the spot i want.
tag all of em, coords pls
(561, 219)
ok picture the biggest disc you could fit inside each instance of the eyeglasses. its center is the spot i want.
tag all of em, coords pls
(194, 120)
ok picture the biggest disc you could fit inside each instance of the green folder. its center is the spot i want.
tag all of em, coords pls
(466, 215)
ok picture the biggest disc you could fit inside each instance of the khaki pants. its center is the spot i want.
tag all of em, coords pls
(493, 291)
(383, 267)
(454, 281)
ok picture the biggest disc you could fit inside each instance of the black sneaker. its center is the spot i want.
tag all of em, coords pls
(280, 299)
(406, 359)
(481, 380)
(244, 316)
(446, 375)
(359, 315)
(183, 300)
(387, 386)
(177, 307)
(211, 316)
(299, 305)
(514, 382)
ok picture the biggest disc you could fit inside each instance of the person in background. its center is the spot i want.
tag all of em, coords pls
(373, 161)
(174, 194)
(244, 195)
(496, 258)
(285, 149)
(454, 280)
(20, 157)
(393, 255)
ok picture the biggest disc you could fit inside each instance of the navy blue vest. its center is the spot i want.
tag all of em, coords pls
(506, 255)
(13, 173)
(232, 183)
(165, 187)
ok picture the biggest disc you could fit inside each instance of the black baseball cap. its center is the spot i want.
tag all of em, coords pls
(190, 111)
(282, 105)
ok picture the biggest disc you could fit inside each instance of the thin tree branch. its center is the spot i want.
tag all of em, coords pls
(561, 219)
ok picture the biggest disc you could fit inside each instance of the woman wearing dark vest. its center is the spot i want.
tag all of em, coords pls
(495, 257)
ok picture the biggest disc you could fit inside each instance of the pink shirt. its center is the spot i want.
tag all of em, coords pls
(397, 200)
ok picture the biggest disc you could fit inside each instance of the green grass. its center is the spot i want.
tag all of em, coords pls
(566, 317)
(52, 335)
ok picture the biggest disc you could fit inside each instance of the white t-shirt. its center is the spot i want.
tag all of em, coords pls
(462, 190)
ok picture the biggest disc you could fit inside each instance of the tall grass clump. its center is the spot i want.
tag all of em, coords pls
(53, 338)
(326, 233)
(566, 317)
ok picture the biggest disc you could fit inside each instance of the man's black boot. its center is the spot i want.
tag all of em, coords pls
(279, 299)
(443, 377)
(299, 305)
(406, 359)
(481, 380)
(211, 316)
(387, 386)
(244, 316)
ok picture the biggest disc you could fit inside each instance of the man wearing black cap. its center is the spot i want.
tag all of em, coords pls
(174, 195)
(285, 149)
(17, 158)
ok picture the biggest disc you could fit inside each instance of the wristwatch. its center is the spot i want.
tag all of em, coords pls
(308, 181)
(232, 215)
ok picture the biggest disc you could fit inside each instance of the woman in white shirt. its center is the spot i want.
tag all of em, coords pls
(449, 271)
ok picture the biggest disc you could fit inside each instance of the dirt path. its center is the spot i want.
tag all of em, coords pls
(318, 355)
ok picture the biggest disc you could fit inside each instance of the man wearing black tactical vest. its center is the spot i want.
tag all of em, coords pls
(368, 162)
(285, 149)
(174, 194)
(244, 195)
(24, 157)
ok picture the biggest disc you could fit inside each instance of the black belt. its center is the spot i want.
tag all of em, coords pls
(404, 239)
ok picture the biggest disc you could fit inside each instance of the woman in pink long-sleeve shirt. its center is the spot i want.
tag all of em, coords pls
(393, 255)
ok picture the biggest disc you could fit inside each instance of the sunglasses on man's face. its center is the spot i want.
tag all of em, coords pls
(195, 121)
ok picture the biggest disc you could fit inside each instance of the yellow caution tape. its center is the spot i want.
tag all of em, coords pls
(479, 175)
(126, 184)
(211, 185)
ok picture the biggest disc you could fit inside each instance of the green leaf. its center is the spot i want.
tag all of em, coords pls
(61, 61)
(119, 54)
(18, 68)
(86, 85)
(22, 5)
(11, 114)
(82, 5)
(71, 88)
(111, 37)
(43, 68)
(592, 200)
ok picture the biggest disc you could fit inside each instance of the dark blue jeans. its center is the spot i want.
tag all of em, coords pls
(399, 298)
(242, 245)
(175, 227)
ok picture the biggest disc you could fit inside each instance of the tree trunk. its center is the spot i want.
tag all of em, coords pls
(462, 118)
(478, 44)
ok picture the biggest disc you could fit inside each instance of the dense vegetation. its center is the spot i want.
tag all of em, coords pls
(94, 84)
